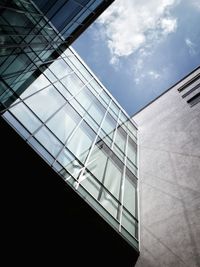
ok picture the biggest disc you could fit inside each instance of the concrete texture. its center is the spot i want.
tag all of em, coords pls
(169, 163)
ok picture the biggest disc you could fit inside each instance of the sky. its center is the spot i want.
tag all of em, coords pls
(139, 48)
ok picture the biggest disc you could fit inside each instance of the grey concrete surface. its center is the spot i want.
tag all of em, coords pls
(169, 163)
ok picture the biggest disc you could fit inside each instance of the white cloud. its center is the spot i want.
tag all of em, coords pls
(154, 75)
(132, 25)
(168, 25)
(196, 4)
(191, 46)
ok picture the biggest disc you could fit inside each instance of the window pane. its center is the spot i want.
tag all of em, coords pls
(85, 98)
(52, 99)
(50, 142)
(130, 192)
(63, 123)
(68, 161)
(91, 185)
(65, 14)
(132, 151)
(72, 83)
(81, 141)
(109, 203)
(26, 117)
(120, 139)
(129, 223)
(60, 68)
(109, 125)
(83, 72)
(97, 111)
(98, 163)
(113, 178)
(38, 84)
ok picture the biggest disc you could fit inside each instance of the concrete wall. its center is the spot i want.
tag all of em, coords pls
(169, 133)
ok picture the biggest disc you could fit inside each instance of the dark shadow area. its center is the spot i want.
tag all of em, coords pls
(45, 221)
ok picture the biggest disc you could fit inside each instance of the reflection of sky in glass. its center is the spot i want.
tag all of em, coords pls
(89, 149)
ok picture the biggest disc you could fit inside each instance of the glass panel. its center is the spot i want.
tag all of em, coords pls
(72, 83)
(94, 4)
(78, 107)
(97, 165)
(131, 167)
(46, 102)
(129, 223)
(38, 84)
(49, 75)
(85, 98)
(130, 192)
(15, 18)
(123, 117)
(132, 151)
(109, 125)
(114, 110)
(101, 194)
(83, 72)
(63, 90)
(65, 14)
(63, 123)
(109, 203)
(112, 179)
(105, 97)
(91, 185)
(20, 63)
(25, 116)
(68, 161)
(50, 142)
(96, 86)
(97, 111)
(132, 129)
(81, 141)
(60, 68)
(41, 150)
(91, 121)
(120, 139)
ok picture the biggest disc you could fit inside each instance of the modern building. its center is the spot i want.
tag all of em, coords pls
(34, 34)
(169, 165)
(70, 119)
(83, 183)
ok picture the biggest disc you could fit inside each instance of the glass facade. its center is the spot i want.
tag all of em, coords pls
(34, 34)
(72, 121)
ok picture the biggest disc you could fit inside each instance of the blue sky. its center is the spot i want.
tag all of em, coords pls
(138, 49)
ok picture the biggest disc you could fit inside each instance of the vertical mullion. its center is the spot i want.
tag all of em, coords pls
(122, 185)
(80, 179)
(115, 132)
(74, 131)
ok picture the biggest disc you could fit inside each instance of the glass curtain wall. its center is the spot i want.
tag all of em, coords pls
(34, 34)
(72, 121)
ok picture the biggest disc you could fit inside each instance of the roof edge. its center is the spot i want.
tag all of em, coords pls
(165, 91)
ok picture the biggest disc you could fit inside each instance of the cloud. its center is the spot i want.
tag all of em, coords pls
(132, 25)
(191, 46)
(168, 25)
(154, 75)
(196, 4)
